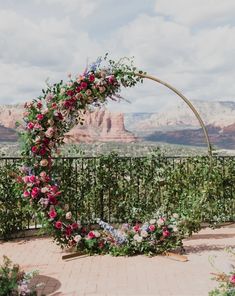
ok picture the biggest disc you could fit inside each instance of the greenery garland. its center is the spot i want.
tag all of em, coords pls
(47, 119)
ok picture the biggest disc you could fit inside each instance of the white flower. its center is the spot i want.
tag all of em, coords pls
(68, 216)
(62, 91)
(96, 233)
(175, 229)
(138, 238)
(175, 215)
(144, 233)
(44, 189)
(152, 221)
(77, 238)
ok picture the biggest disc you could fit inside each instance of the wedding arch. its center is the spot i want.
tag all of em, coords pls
(47, 119)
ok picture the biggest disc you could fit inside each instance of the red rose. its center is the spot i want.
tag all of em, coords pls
(42, 151)
(166, 233)
(40, 117)
(58, 224)
(91, 235)
(70, 93)
(83, 85)
(46, 141)
(66, 104)
(111, 79)
(52, 199)
(60, 116)
(136, 228)
(78, 89)
(39, 105)
(75, 226)
(35, 191)
(91, 77)
(68, 231)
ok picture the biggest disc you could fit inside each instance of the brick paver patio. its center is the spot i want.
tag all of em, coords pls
(133, 276)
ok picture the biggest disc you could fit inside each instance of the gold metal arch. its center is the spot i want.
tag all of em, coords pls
(187, 101)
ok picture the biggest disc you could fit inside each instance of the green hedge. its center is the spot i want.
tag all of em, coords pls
(119, 189)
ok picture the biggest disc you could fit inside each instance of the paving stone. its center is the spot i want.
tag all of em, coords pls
(123, 276)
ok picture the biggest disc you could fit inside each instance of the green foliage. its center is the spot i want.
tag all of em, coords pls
(13, 281)
(120, 189)
(123, 189)
(15, 212)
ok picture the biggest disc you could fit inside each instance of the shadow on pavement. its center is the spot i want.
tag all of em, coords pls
(45, 285)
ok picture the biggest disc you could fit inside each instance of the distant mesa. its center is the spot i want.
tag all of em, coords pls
(99, 126)
(176, 124)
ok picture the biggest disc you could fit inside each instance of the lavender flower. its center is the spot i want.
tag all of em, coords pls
(120, 239)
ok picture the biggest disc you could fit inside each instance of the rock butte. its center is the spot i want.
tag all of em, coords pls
(99, 126)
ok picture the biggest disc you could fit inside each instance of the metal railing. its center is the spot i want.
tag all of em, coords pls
(119, 189)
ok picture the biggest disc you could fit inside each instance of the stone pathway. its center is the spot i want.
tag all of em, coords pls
(123, 276)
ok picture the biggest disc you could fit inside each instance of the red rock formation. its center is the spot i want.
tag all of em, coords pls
(101, 126)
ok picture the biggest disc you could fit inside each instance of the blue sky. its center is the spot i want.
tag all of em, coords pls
(188, 43)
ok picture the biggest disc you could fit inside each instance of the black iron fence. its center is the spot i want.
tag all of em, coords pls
(119, 189)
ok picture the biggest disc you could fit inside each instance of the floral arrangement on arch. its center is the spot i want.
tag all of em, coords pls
(47, 119)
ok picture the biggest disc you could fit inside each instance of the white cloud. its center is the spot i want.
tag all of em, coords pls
(192, 12)
(189, 44)
(83, 8)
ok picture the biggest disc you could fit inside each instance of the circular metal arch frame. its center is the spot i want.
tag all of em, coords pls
(187, 101)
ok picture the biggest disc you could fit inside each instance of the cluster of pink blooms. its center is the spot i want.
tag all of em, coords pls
(45, 120)
(155, 225)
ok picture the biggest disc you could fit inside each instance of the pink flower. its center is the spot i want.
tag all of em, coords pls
(34, 149)
(166, 233)
(83, 85)
(54, 188)
(37, 126)
(232, 279)
(152, 227)
(52, 213)
(111, 79)
(49, 132)
(26, 179)
(40, 117)
(58, 224)
(26, 194)
(136, 228)
(91, 235)
(43, 174)
(30, 125)
(35, 191)
(161, 221)
(32, 179)
(49, 97)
